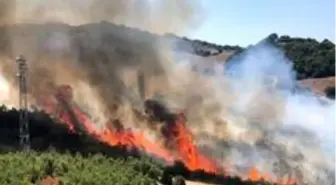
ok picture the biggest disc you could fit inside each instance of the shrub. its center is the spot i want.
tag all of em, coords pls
(31, 168)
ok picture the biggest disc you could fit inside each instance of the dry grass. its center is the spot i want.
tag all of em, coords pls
(221, 57)
(318, 85)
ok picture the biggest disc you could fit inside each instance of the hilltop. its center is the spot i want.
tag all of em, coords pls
(116, 47)
(313, 61)
(311, 58)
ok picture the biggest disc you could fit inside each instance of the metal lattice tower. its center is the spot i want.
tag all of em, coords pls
(23, 120)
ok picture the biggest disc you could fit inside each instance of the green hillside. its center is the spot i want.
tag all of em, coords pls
(312, 59)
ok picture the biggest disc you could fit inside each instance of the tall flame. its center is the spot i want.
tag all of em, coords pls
(187, 151)
(61, 106)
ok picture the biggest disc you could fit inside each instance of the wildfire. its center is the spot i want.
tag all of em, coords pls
(255, 175)
(188, 152)
(61, 106)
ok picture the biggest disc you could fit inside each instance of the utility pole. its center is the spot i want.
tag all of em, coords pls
(23, 119)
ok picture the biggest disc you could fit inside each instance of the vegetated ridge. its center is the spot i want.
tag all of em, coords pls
(311, 59)
(46, 134)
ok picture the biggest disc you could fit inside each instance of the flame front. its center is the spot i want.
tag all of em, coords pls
(180, 138)
(61, 106)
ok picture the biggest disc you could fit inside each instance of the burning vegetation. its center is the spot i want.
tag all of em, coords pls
(178, 140)
(76, 77)
(66, 132)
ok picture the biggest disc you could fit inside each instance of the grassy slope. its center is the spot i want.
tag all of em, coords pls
(318, 85)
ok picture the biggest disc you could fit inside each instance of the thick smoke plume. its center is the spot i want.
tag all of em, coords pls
(291, 139)
(158, 16)
(85, 57)
(252, 114)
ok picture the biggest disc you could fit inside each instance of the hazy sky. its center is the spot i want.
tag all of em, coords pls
(245, 22)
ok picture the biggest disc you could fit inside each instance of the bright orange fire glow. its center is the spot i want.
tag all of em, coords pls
(61, 106)
(70, 114)
(255, 175)
(187, 151)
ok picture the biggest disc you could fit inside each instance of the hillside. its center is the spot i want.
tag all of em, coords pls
(311, 59)
(84, 160)
(320, 86)
(103, 51)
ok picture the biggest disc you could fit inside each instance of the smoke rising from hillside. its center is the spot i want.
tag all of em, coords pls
(253, 116)
(88, 54)
(56, 43)
(296, 137)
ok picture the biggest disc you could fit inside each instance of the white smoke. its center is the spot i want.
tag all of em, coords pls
(269, 123)
(6, 93)
(4, 89)
(301, 124)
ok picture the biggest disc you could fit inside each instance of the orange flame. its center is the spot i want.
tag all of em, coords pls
(255, 175)
(61, 106)
(122, 137)
(187, 151)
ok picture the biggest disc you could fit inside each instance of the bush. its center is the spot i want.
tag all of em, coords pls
(30, 168)
(330, 92)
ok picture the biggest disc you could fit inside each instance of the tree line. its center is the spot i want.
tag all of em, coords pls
(311, 58)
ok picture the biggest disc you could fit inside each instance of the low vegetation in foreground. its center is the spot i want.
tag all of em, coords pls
(54, 168)
(22, 168)
(59, 157)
